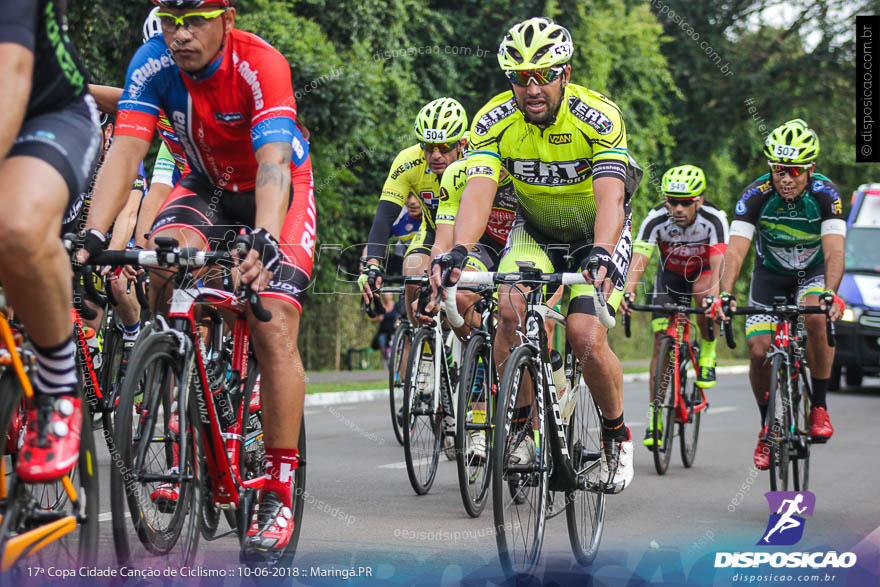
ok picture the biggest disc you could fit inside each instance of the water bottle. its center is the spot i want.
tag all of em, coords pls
(561, 382)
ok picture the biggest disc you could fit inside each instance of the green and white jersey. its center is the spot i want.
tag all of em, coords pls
(789, 231)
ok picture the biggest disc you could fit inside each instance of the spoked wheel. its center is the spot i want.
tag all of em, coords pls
(585, 510)
(152, 478)
(521, 464)
(779, 432)
(691, 396)
(801, 439)
(400, 344)
(663, 406)
(423, 426)
(48, 509)
(474, 438)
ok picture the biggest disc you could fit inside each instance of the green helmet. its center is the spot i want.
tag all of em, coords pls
(441, 121)
(534, 44)
(793, 142)
(684, 181)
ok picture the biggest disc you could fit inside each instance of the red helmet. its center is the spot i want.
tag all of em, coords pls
(193, 3)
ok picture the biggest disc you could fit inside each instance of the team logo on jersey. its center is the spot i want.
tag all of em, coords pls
(590, 115)
(741, 207)
(428, 197)
(229, 117)
(765, 187)
(494, 116)
(408, 165)
(537, 172)
(444, 194)
(560, 139)
(480, 170)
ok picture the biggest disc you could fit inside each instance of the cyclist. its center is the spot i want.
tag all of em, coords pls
(692, 237)
(440, 127)
(50, 137)
(223, 88)
(565, 148)
(798, 217)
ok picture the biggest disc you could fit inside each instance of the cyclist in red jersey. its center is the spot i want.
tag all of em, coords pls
(222, 88)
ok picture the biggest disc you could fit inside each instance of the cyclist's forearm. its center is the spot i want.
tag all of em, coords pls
(833, 249)
(114, 181)
(150, 206)
(636, 269)
(273, 186)
(125, 222)
(716, 263)
(380, 231)
(609, 195)
(442, 239)
(474, 210)
(733, 260)
(107, 97)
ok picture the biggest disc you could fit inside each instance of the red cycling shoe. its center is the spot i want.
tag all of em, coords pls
(51, 442)
(762, 452)
(820, 425)
(271, 528)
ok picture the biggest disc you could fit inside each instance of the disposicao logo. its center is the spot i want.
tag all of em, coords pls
(785, 528)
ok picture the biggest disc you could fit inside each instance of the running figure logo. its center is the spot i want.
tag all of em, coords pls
(786, 524)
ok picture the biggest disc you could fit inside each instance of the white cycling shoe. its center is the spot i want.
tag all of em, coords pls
(618, 456)
(477, 449)
(524, 453)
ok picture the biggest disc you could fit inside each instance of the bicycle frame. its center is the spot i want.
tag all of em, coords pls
(679, 329)
(222, 449)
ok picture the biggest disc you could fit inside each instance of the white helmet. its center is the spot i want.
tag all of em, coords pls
(152, 26)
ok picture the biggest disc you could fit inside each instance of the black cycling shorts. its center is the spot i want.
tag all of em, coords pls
(68, 139)
(218, 216)
(767, 284)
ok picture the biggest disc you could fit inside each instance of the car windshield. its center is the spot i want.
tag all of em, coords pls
(862, 252)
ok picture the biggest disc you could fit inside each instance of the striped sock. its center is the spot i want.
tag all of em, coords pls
(281, 463)
(130, 333)
(56, 369)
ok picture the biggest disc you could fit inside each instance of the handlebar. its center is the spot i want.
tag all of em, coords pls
(528, 278)
(787, 311)
(667, 308)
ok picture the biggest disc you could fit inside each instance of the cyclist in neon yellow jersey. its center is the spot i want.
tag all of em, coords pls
(692, 236)
(565, 148)
(797, 215)
(440, 127)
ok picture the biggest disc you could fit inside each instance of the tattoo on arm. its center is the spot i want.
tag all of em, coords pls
(271, 173)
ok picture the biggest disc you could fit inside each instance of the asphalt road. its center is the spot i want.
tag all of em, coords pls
(362, 514)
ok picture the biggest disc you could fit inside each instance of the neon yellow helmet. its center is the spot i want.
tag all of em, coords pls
(793, 142)
(684, 181)
(534, 44)
(441, 121)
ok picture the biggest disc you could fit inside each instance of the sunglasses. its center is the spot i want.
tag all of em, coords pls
(190, 20)
(792, 170)
(686, 202)
(444, 147)
(541, 77)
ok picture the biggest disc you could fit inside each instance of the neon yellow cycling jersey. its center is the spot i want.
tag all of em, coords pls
(410, 173)
(552, 168)
(503, 206)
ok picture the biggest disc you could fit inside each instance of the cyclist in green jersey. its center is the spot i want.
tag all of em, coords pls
(440, 127)
(565, 148)
(798, 217)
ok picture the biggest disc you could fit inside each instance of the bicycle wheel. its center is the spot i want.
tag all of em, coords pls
(779, 423)
(521, 464)
(801, 439)
(110, 378)
(164, 513)
(473, 445)
(663, 412)
(424, 425)
(585, 510)
(397, 376)
(28, 507)
(691, 396)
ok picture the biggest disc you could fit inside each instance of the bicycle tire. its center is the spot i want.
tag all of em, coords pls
(663, 412)
(585, 509)
(396, 375)
(154, 374)
(801, 410)
(475, 472)
(508, 520)
(779, 425)
(691, 396)
(84, 475)
(424, 426)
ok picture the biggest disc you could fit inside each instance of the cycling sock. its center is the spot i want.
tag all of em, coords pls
(130, 333)
(820, 386)
(280, 465)
(707, 353)
(614, 429)
(56, 369)
(763, 410)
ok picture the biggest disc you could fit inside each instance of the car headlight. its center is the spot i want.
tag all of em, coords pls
(848, 315)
